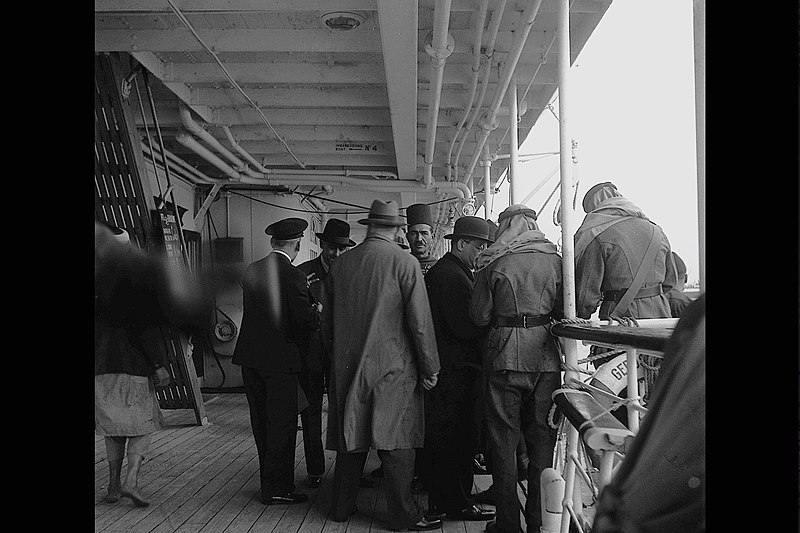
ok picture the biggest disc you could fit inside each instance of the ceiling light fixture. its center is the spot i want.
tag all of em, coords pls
(343, 20)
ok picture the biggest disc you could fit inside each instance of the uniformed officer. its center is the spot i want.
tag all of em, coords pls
(278, 310)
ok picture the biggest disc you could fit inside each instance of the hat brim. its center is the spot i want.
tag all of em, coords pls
(341, 241)
(468, 236)
(398, 221)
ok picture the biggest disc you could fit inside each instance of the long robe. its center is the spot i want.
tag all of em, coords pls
(383, 341)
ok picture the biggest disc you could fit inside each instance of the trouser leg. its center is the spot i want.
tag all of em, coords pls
(503, 410)
(115, 452)
(273, 418)
(346, 475)
(540, 440)
(311, 417)
(404, 508)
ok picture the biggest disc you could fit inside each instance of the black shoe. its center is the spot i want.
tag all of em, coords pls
(378, 472)
(292, 497)
(314, 482)
(434, 513)
(426, 525)
(365, 483)
(484, 496)
(472, 513)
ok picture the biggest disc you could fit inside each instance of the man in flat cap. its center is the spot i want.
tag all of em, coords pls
(451, 430)
(334, 241)
(383, 355)
(278, 312)
(420, 235)
(517, 292)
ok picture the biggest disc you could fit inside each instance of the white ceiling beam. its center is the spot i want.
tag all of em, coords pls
(399, 34)
(156, 67)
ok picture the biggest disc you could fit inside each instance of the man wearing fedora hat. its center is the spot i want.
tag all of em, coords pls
(334, 241)
(451, 430)
(383, 356)
(517, 292)
(277, 312)
(420, 235)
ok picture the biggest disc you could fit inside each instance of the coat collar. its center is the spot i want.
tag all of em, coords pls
(450, 256)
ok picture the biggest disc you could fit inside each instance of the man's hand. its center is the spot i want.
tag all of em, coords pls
(430, 382)
(161, 377)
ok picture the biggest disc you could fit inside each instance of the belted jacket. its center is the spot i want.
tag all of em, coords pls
(524, 282)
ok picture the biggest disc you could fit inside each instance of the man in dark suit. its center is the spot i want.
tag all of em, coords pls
(278, 311)
(334, 241)
(451, 431)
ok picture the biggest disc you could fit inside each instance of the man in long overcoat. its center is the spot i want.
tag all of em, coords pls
(278, 311)
(383, 356)
(517, 291)
(451, 429)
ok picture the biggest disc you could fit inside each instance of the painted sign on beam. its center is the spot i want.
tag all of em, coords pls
(356, 147)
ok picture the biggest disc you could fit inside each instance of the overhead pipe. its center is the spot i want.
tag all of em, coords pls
(192, 144)
(440, 48)
(181, 167)
(459, 189)
(241, 150)
(497, 16)
(476, 67)
(487, 181)
(513, 117)
(489, 120)
(195, 128)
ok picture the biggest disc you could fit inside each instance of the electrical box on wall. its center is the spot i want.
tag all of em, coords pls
(228, 250)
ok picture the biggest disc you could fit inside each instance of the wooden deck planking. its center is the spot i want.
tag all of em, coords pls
(205, 479)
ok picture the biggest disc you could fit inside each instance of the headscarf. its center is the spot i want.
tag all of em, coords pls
(608, 208)
(518, 232)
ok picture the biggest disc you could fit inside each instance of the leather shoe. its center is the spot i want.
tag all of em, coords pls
(484, 496)
(472, 513)
(291, 497)
(313, 482)
(426, 525)
(434, 513)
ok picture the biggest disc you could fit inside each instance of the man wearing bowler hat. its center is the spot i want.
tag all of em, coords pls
(451, 430)
(278, 312)
(420, 235)
(334, 241)
(383, 356)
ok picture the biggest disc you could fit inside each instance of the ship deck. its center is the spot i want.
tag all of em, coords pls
(205, 479)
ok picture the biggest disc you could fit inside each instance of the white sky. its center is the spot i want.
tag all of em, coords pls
(632, 112)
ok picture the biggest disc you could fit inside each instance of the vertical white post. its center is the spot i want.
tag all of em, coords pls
(514, 182)
(700, 129)
(632, 356)
(487, 182)
(606, 467)
(567, 232)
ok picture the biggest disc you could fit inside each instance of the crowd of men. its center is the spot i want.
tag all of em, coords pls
(433, 359)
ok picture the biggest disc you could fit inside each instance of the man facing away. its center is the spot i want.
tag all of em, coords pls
(278, 312)
(451, 430)
(383, 356)
(334, 241)
(517, 291)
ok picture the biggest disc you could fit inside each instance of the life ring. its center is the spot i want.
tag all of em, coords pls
(612, 376)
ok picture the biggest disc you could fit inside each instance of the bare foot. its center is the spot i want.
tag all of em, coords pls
(134, 495)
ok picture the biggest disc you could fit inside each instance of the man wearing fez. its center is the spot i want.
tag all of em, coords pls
(420, 235)
(451, 430)
(278, 312)
(383, 355)
(517, 291)
(334, 241)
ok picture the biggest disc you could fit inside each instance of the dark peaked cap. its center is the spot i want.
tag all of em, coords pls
(287, 229)
(336, 232)
(418, 214)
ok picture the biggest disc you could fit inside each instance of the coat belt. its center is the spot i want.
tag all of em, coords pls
(646, 292)
(521, 321)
